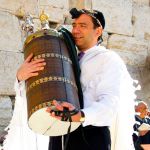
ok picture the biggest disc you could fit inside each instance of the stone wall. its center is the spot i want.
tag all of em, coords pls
(11, 43)
(127, 32)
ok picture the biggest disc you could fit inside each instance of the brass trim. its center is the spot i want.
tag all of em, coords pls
(37, 107)
(52, 55)
(41, 33)
(49, 79)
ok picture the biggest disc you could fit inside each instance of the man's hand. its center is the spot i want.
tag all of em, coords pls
(30, 68)
(60, 107)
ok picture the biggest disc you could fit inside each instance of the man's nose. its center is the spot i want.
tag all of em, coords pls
(76, 30)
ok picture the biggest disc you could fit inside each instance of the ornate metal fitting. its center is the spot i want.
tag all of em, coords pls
(28, 26)
(44, 21)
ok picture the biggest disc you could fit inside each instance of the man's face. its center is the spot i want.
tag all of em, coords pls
(143, 109)
(84, 34)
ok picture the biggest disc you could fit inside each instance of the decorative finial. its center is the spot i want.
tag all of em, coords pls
(43, 16)
(44, 21)
(28, 26)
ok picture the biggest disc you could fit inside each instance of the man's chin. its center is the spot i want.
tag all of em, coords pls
(79, 47)
(78, 44)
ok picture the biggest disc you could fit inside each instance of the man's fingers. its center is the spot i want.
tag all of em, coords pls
(60, 106)
(68, 105)
(57, 105)
(38, 61)
(39, 64)
(35, 69)
(28, 59)
(33, 74)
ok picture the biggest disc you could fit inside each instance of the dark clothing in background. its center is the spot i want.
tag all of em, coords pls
(138, 140)
(84, 138)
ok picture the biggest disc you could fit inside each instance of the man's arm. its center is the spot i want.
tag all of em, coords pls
(30, 68)
(27, 70)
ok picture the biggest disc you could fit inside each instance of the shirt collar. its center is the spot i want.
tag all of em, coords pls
(94, 48)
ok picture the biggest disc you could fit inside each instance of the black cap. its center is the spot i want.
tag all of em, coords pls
(97, 15)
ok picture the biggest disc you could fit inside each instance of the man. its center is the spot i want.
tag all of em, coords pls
(107, 90)
(141, 136)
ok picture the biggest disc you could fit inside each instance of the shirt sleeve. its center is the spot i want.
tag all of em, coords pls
(19, 88)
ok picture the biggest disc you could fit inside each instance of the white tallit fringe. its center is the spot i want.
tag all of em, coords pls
(122, 128)
(20, 137)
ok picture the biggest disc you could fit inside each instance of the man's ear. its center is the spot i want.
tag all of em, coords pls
(99, 31)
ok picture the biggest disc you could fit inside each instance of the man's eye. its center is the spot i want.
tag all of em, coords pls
(84, 26)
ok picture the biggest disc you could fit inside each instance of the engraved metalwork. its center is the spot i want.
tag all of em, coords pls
(50, 32)
(52, 55)
(43, 105)
(28, 26)
(50, 79)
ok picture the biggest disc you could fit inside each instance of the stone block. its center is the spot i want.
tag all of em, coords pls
(141, 74)
(145, 83)
(5, 111)
(133, 51)
(148, 62)
(134, 72)
(27, 6)
(1, 131)
(5, 103)
(148, 57)
(141, 15)
(88, 4)
(63, 4)
(9, 63)
(131, 58)
(105, 37)
(127, 43)
(55, 14)
(5, 121)
(10, 33)
(149, 48)
(142, 3)
(118, 15)
(56, 10)
(79, 4)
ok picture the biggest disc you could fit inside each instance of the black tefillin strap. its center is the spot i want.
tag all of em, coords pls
(65, 114)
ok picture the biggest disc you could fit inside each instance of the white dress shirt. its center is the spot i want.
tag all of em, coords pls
(108, 95)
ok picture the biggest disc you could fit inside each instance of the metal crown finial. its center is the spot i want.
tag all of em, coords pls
(44, 20)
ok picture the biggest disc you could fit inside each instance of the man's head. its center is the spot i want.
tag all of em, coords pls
(87, 27)
(141, 108)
